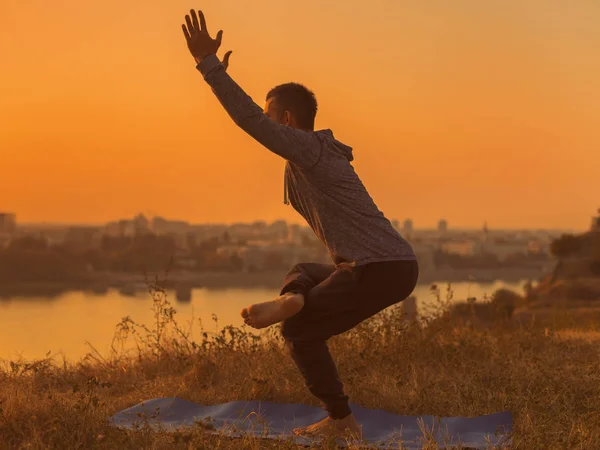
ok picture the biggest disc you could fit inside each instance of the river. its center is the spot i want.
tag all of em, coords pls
(30, 327)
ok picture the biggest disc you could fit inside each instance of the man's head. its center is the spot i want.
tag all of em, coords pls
(292, 104)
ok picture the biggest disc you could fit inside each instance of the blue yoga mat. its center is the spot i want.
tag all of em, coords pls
(274, 421)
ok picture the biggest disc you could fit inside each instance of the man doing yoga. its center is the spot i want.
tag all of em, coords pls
(372, 268)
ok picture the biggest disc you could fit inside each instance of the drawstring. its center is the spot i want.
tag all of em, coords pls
(286, 200)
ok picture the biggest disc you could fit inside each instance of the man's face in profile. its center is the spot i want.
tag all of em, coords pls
(271, 110)
(274, 114)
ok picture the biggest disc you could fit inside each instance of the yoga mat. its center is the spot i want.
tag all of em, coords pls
(275, 420)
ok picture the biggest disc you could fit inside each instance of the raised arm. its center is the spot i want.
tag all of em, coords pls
(298, 146)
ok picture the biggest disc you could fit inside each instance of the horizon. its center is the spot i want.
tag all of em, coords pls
(422, 228)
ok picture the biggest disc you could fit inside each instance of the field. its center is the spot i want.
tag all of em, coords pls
(541, 365)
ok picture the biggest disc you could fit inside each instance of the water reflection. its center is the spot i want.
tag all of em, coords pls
(31, 325)
(183, 293)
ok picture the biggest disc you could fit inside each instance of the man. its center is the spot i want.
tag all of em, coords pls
(374, 267)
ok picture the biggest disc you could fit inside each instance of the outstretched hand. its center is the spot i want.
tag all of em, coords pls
(198, 40)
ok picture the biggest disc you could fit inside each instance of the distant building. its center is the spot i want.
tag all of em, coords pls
(121, 228)
(280, 225)
(114, 229)
(260, 225)
(181, 240)
(408, 228)
(536, 246)
(141, 225)
(261, 243)
(228, 250)
(443, 226)
(208, 231)
(295, 235)
(464, 247)
(52, 235)
(259, 256)
(83, 236)
(253, 258)
(596, 223)
(8, 227)
(503, 249)
(160, 225)
(278, 230)
(424, 254)
(244, 231)
(8, 223)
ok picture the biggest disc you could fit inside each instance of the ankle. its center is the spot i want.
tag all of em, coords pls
(345, 419)
(340, 411)
(295, 297)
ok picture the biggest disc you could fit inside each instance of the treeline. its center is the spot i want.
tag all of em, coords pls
(583, 247)
(30, 258)
(488, 260)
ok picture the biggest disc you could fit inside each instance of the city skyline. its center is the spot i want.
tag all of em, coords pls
(415, 225)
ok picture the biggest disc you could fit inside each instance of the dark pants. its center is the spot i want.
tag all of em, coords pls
(336, 300)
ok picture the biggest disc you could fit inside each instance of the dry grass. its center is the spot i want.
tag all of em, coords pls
(544, 371)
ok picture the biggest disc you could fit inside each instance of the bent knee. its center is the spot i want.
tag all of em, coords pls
(297, 268)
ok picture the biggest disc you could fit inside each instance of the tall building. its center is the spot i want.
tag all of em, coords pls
(443, 226)
(160, 225)
(141, 224)
(596, 222)
(8, 223)
(408, 226)
(83, 236)
(278, 230)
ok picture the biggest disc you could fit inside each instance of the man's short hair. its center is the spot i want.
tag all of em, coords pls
(298, 100)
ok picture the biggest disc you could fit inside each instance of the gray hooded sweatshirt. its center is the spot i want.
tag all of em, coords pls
(319, 181)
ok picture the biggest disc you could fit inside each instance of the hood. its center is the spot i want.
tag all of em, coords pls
(335, 145)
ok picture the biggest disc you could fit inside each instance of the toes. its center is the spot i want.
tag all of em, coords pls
(244, 313)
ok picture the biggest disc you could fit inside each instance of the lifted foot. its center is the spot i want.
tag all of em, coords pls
(261, 315)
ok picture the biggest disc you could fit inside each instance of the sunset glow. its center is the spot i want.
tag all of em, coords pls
(471, 111)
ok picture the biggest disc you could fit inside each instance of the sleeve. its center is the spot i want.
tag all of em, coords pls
(297, 146)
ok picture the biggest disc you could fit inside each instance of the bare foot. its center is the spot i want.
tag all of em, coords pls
(346, 427)
(261, 315)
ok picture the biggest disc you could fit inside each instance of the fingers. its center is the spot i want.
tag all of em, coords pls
(226, 59)
(219, 37)
(202, 22)
(195, 20)
(193, 24)
(189, 24)
(185, 32)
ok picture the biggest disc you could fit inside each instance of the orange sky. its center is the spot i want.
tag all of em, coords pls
(467, 110)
